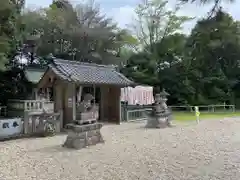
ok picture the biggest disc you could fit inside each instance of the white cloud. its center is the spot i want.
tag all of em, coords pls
(34, 3)
(123, 15)
(200, 11)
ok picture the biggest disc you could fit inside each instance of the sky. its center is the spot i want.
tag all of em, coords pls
(122, 11)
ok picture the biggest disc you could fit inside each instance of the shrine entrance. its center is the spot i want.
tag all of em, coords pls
(105, 102)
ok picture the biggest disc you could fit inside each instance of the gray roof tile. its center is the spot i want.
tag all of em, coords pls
(88, 73)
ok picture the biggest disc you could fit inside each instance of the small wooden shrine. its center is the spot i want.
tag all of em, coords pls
(71, 82)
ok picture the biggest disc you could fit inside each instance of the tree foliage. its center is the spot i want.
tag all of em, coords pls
(9, 29)
(216, 62)
(155, 26)
(216, 4)
(202, 68)
(11, 82)
(77, 33)
(154, 21)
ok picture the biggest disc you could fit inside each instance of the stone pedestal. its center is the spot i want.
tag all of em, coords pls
(81, 136)
(157, 122)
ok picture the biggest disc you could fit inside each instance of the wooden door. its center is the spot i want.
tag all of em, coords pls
(114, 102)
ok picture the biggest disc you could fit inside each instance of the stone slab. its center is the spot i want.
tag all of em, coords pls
(83, 128)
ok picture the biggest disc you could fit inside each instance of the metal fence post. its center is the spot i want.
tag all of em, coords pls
(124, 112)
(127, 118)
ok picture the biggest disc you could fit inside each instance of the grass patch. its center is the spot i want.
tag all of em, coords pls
(188, 116)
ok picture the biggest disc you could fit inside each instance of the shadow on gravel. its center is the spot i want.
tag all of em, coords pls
(53, 149)
(159, 129)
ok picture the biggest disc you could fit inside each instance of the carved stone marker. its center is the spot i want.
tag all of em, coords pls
(160, 116)
(81, 136)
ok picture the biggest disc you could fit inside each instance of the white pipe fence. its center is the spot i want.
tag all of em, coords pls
(133, 113)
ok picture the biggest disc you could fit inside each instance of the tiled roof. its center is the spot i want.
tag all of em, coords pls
(88, 73)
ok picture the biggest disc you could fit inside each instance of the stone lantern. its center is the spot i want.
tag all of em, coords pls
(160, 114)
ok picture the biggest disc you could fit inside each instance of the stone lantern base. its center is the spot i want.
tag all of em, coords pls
(157, 122)
(81, 136)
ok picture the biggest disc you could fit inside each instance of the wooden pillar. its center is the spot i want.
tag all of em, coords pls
(103, 100)
(105, 105)
(69, 113)
(58, 99)
(79, 94)
(35, 93)
(48, 93)
(58, 93)
(116, 104)
(73, 95)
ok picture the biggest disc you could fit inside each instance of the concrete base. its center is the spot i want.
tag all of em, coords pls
(81, 136)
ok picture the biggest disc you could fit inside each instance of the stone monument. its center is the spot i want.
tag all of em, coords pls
(85, 131)
(160, 116)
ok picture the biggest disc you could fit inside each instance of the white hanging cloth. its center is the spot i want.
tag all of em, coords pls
(142, 95)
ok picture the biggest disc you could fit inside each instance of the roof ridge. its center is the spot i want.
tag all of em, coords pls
(65, 73)
(82, 63)
(123, 77)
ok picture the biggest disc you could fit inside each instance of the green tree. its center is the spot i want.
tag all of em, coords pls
(216, 4)
(214, 62)
(172, 74)
(202, 68)
(9, 30)
(77, 33)
(153, 25)
(154, 21)
(11, 82)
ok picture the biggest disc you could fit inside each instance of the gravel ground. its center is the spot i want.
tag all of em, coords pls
(209, 150)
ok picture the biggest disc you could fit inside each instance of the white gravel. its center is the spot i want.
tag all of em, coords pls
(209, 150)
